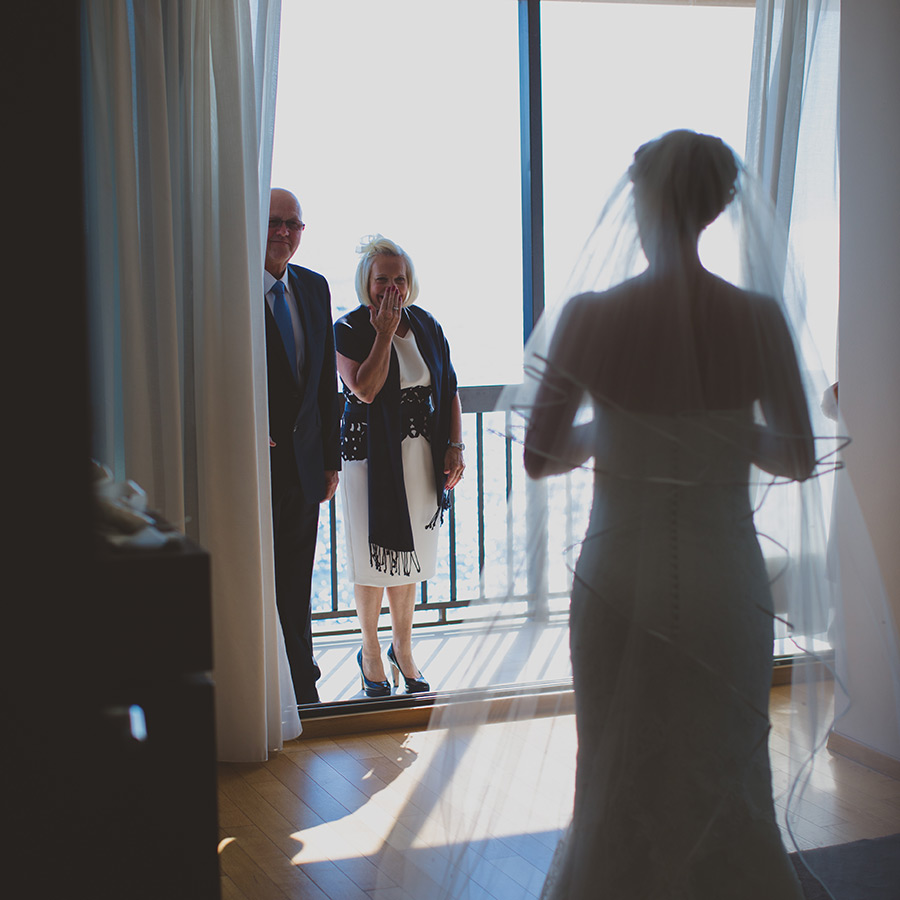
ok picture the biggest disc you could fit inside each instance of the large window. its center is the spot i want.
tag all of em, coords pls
(402, 117)
(617, 74)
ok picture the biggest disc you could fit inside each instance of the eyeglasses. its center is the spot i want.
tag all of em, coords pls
(292, 225)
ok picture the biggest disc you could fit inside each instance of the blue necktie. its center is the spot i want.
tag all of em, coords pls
(285, 326)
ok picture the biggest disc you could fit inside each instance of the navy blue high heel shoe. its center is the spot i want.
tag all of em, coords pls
(413, 685)
(372, 688)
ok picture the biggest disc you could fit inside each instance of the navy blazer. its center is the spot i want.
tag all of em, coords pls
(304, 425)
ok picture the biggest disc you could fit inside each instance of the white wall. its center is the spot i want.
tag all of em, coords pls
(869, 347)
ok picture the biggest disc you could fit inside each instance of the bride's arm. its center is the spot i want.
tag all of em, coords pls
(553, 443)
(784, 445)
(545, 455)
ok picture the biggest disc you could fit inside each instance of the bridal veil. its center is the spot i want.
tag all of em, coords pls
(674, 412)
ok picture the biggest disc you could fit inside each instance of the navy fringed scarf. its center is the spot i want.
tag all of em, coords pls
(391, 545)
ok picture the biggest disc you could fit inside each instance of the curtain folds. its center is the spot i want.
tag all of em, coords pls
(179, 118)
(792, 142)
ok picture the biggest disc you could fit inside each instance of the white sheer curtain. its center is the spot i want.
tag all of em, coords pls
(792, 143)
(179, 119)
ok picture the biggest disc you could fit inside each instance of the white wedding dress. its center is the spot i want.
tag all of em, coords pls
(673, 794)
(691, 399)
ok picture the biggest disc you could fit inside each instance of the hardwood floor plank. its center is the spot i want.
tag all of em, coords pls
(335, 818)
(257, 809)
(247, 874)
(390, 894)
(361, 772)
(296, 754)
(384, 792)
(309, 851)
(381, 779)
(314, 795)
(289, 805)
(249, 772)
(333, 882)
(348, 840)
(230, 891)
(318, 770)
(289, 878)
(351, 745)
(230, 814)
(806, 835)
(229, 772)
(499, 884)
(528, 847)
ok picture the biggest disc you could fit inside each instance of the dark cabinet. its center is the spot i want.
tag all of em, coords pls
(152, 647)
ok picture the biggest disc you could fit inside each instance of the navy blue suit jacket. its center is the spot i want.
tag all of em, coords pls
(305, 424)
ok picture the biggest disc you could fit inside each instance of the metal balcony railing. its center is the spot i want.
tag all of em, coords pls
(506, 538)
(484, 544)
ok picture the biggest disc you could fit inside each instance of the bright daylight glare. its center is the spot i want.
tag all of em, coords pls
(402, 117)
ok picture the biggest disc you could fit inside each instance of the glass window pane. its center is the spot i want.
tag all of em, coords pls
(402, 117)
(615, 75)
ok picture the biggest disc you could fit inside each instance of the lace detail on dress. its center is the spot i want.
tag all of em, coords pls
(354, 428)
(416, 414)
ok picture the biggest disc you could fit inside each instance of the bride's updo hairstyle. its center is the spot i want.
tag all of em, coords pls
(683, 180)
(371, 246)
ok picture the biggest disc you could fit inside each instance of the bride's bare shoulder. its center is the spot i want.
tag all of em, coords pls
(750, 302)
(598, 301)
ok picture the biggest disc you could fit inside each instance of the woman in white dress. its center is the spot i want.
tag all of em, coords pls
(402, 452)
(693, 382)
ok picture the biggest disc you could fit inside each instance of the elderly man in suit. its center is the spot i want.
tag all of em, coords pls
(304, 426)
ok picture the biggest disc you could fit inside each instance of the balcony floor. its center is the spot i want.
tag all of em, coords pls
(520, 654)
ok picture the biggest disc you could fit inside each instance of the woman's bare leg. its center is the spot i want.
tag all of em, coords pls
(401, 600)
(368, 607)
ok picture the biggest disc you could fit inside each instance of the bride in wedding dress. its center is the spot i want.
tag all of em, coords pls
(685, 406)
(693, 382)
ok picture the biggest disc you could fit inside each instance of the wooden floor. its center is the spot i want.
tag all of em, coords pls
(308, 823)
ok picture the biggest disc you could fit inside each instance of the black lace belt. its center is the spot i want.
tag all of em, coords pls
(416, 413)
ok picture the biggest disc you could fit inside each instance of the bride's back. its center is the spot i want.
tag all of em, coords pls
(677, 339)
(665, 345)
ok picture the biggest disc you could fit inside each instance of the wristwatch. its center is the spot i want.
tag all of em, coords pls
(458, 444)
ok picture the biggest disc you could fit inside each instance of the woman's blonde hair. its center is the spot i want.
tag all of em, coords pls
(373, 245)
